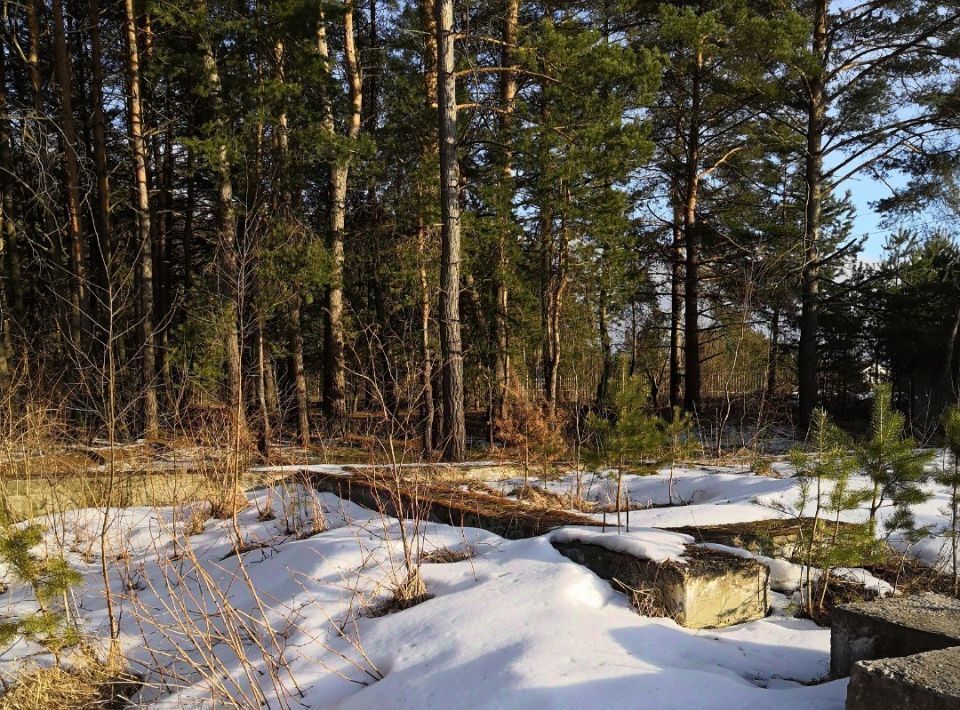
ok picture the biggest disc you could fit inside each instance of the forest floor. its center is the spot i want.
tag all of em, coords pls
(312, 612)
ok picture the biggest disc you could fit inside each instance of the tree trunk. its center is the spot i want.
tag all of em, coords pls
(189, 209)
(104, 249)
(691, 334)
(428, 408)
(426, 371)
(384, 374)
(508, 93)
(163, 162)
(606, 351)
(266, 431)
(807, 366)
(283, 202)
(676, 302)
(8, 241)
(145, 256)
(72, 174)
(39, 117)
(554, 267)
(948, 382)
(299, 375)
(774, 352)
(9, 235)
(334, 374)
(226, 228)
(455, 435)
(33, 57)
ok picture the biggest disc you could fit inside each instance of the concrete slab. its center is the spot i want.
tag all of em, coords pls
(707, 589)
(892, 628)
(445, 503)
(925, 681)
(777, 537)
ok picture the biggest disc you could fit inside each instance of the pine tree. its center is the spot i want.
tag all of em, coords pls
(824, 472)
(50, 578)
(865, 81)
(893, 464)
(585, 137)
(951, 478)
(631, 435)
(678, 442)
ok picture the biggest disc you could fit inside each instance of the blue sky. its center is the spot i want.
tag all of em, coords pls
(863, 191)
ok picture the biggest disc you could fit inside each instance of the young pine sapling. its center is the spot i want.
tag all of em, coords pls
(632, 435)
(824, 471)
(50, 578)
(951, 479)
(896, 469)
(678, 442)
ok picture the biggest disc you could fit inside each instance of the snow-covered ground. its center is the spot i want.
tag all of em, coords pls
(716, 495)
(516, 625)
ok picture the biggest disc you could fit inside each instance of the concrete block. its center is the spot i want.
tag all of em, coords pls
(925, 681)
(706, 590)
(891, 628)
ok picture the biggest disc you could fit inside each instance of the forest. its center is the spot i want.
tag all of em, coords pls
(479, 353)
(308, 218)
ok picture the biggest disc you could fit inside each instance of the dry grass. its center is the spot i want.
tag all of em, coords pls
(911, 576)
(407, 593)
(88, 685)
(542, 498)
(196, 521)
(227, 504)
(447, 555)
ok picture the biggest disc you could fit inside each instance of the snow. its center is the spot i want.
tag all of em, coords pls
(517, 625)
(646, 544)
(715, 495)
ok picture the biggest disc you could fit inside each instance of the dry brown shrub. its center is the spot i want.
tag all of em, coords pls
(483, 487)
(526, 426)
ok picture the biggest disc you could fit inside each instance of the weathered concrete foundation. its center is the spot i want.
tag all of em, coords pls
(445, 503)
(925, 681)
(892, 628)
(776, 537)
(706, 590)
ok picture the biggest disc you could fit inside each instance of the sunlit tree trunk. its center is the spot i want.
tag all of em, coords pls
(508, 93)
(451, 353)
(145, 252)
(334, 372)
(425, 235)
(676, 302)
(807, 366)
